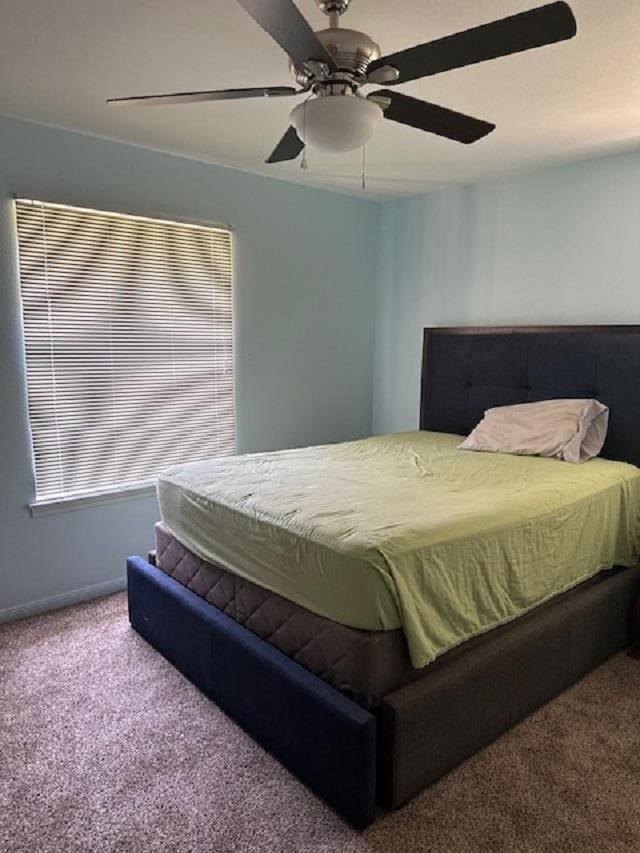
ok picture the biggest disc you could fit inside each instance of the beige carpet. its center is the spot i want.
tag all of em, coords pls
(105, 747)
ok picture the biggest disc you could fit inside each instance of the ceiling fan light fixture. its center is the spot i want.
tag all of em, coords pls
(336, 123)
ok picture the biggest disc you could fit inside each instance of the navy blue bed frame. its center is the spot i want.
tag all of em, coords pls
(353, 758)
(327, 740)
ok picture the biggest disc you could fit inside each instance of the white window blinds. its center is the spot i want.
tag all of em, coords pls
(128, 341)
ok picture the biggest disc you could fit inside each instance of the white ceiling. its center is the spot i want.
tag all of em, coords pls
(60, 59)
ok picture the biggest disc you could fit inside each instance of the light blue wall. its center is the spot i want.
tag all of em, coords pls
(304, 274)
(558, 246)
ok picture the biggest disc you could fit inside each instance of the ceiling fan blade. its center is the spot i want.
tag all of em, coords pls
(194, 97)
(288, 148)
(285, 24)
(432, 118)
(524, 31)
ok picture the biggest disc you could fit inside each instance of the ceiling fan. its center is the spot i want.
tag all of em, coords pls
(331, 67)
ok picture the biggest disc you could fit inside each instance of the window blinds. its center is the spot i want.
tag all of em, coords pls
(128, 339)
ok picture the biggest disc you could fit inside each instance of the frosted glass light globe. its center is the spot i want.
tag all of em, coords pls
(336, 122)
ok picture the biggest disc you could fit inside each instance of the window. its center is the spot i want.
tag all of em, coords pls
(128, 342)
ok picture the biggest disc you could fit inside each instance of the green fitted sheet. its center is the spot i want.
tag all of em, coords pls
(407, 531)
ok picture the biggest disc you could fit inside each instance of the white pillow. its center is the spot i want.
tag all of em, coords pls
(572, 430)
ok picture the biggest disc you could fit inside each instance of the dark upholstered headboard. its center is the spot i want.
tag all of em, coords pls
(467, 370)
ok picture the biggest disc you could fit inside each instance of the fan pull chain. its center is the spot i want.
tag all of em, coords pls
(364, 160)
(303, 163)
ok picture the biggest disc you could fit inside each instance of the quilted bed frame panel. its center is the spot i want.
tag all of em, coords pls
(364, 665)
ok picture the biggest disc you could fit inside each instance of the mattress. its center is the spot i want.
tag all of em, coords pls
(364, 665)
(407, 531)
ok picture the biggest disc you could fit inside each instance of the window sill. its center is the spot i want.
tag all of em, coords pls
(124, 493)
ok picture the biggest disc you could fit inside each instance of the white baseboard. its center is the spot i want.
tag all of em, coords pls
(55, 602)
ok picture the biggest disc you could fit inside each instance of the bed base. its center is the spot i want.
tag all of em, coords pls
(348, 756)
(430, 726)
(324, 738)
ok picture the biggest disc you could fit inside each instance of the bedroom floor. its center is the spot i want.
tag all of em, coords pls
(105, 747)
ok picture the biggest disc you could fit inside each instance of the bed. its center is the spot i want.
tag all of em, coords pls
(364, 694)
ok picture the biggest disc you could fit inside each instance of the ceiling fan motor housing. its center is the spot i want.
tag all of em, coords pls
(352, 51)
